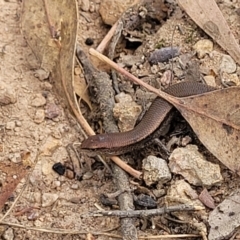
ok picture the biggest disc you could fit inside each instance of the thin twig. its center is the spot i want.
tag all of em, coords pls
(107, 38)
(146, 213)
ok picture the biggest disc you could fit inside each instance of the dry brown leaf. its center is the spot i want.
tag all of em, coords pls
(14, 174)
(208, 16)
(81, 89)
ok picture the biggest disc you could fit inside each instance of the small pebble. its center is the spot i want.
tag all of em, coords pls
(48, 199)
(52, 111)
(15, 157)
(87, 175)
(39, 116)
(227, 64)
(38, 100)
(155, 170)
(8, 234)
(41, 74)
(10, 125)
(7, 94)
(163, 54)
(56, 184)
(18, 123)
(92, 7)
(203, 47)
(85, 5)
(210, 80)
(74, 186)
(46, 86)
(89, 41)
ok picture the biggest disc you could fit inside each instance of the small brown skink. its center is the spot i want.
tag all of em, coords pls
(151, 124)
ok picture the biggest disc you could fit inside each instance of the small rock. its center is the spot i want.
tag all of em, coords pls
(178, 72)
(49, 146)
(181, 190)
(10, 125)
(130, 60)
(154, 69)
(56, 134)
(46, 167)
(7, 94)
(69, 174)
(39, 116)
(48, 199)
(38, 100)
(18, 123)
(36, 176)
(52, 111)
(145, 201)
(185, 58)
(56, 184)
(92, 7)
(230, 79)
(185, 141)
(8, 234)
(210, 80)
(41, 74)
(158, 192)
(203, 47)
(192, 165)
(211, 63)
(227, 64)
(74, 186)
(166, 78)
(77, 71)
(15, 157)
(85, 5)
(46, 86)
(126, 111)
(163, 54)
(87, 175)
(155, 170)
(89, 41)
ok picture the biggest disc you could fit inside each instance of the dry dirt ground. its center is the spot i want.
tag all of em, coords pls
(50, 203)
